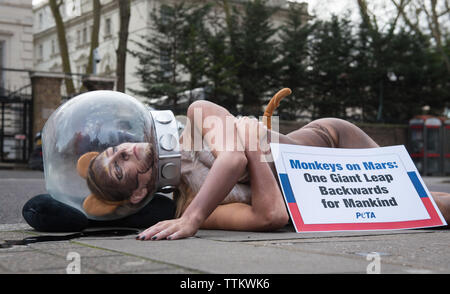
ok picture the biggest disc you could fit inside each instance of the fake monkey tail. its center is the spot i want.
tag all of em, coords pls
(273, 104)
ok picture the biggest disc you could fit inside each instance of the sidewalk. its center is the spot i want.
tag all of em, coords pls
(225, 252)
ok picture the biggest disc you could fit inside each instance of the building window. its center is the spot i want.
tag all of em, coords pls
(73, 8)
(81, 69)
(108, 29)
(40, 53)
(53, 47)
(78, 37)
(84, 36)
(41, 20)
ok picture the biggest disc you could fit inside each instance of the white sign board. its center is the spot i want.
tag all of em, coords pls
(334, 189)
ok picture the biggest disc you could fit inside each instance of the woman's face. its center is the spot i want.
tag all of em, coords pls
(128, 161)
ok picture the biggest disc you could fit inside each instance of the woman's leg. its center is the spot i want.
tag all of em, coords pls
(332, 132)
(338, 133)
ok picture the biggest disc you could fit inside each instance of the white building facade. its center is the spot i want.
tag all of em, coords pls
(16, 43)
(78, 19)
(16, 59)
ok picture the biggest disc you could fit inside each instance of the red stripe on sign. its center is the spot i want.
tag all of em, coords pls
(433, 220)
(433, 155)
(295, 215)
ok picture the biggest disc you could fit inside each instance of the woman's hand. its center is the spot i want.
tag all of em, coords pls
(179, 228)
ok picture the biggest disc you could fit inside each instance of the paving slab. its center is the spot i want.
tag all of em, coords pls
(289, 233)
(232, 252)
(29, 261)
(218, 257)
(121, 263)
(421, 251)
(417, 253)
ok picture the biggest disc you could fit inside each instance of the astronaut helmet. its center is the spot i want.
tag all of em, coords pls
(105, 153)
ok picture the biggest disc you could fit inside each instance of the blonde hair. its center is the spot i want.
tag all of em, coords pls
(182, 197)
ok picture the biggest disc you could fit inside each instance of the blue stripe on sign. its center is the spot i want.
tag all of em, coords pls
(287, 188)
(419, 188)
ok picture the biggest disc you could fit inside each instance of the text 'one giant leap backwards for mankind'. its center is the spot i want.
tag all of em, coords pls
(335, 177)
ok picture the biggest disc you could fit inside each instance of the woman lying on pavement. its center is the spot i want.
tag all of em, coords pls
(226, 185)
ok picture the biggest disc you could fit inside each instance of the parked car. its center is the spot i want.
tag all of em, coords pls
(36, 161)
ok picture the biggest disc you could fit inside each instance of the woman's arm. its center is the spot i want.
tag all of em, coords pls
(228, 167)
(266, 213)
(267, 200)
(267, 210)
(222, 177)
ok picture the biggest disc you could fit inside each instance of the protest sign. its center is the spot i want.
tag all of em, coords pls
(334, 189)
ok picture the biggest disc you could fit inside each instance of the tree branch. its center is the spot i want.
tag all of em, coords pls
(63, 48)
(121, 52)
(401, 9)
(96, 13)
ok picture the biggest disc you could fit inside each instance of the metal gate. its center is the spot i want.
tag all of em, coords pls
(15, 125)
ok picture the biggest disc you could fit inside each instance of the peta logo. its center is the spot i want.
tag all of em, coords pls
(365, 215)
